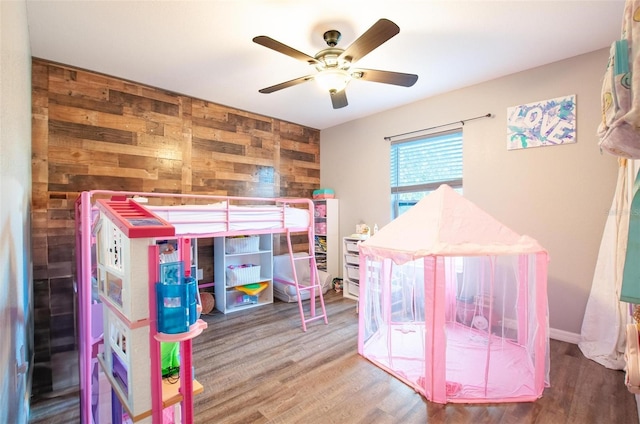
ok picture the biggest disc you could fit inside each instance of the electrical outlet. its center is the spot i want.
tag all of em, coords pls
(199, 274)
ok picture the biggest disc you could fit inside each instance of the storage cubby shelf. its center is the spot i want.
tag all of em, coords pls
(230, 254)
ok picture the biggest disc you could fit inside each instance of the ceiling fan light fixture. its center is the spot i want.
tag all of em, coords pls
(333, 80)
(333, 65)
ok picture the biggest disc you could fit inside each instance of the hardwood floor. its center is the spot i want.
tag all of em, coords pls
(259, 367)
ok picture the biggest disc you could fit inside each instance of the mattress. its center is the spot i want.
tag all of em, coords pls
(287, 293)
(282, 272)
(191, 220)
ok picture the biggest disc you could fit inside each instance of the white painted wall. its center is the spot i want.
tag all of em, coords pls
(559, 195)
(15, 221)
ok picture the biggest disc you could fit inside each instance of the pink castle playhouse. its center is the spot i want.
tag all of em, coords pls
(454, 304)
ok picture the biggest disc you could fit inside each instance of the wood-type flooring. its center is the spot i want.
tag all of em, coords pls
(258, 366)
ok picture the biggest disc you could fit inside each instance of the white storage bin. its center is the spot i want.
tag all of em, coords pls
(354, 289)
(239, 275)
(237, 298)
(352, 246)
(353, 273)
(243, 244)
(352, 259)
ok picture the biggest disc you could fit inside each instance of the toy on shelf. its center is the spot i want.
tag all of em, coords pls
(323, 193)
(253, 289)
(177, 299)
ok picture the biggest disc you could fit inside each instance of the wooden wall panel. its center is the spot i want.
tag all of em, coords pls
(92, 131)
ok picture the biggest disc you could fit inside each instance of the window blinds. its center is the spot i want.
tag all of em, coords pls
(424, 163)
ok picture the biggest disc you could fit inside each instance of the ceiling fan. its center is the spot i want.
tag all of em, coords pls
(335, 65)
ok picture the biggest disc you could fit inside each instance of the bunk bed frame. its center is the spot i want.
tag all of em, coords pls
(192, 216)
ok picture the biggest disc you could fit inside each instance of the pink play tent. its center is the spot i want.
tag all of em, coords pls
(454, 304)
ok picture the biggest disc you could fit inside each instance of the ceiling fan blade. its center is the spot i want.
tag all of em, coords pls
(386, 77)
(375, 36)
(339, 99)
(286, 84)
(269, 42)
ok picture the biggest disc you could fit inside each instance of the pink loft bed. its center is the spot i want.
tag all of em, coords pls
(192, 216)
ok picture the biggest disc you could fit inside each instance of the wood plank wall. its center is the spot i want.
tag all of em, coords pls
(92, 131)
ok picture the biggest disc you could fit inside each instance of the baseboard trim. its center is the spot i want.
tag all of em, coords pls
(564, 336)
(554, 333)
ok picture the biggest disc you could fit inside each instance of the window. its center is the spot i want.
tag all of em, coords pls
(421, 165)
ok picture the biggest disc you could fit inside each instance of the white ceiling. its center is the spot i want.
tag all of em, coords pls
(204, 49)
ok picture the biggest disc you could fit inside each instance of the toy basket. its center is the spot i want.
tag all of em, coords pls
(239, 275)
(242, 244)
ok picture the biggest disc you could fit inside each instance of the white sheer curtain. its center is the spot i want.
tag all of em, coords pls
(605, 318)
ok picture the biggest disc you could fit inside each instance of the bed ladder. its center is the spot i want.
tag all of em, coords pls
(312, 287)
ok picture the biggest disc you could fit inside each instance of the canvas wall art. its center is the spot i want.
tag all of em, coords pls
(543, 123)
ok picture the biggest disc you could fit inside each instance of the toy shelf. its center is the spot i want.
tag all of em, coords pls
(242, 261)
(122, 270)
(170, 394)
(125, 361)
(128, 268)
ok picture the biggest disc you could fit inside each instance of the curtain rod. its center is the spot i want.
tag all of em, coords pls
(388, 138)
